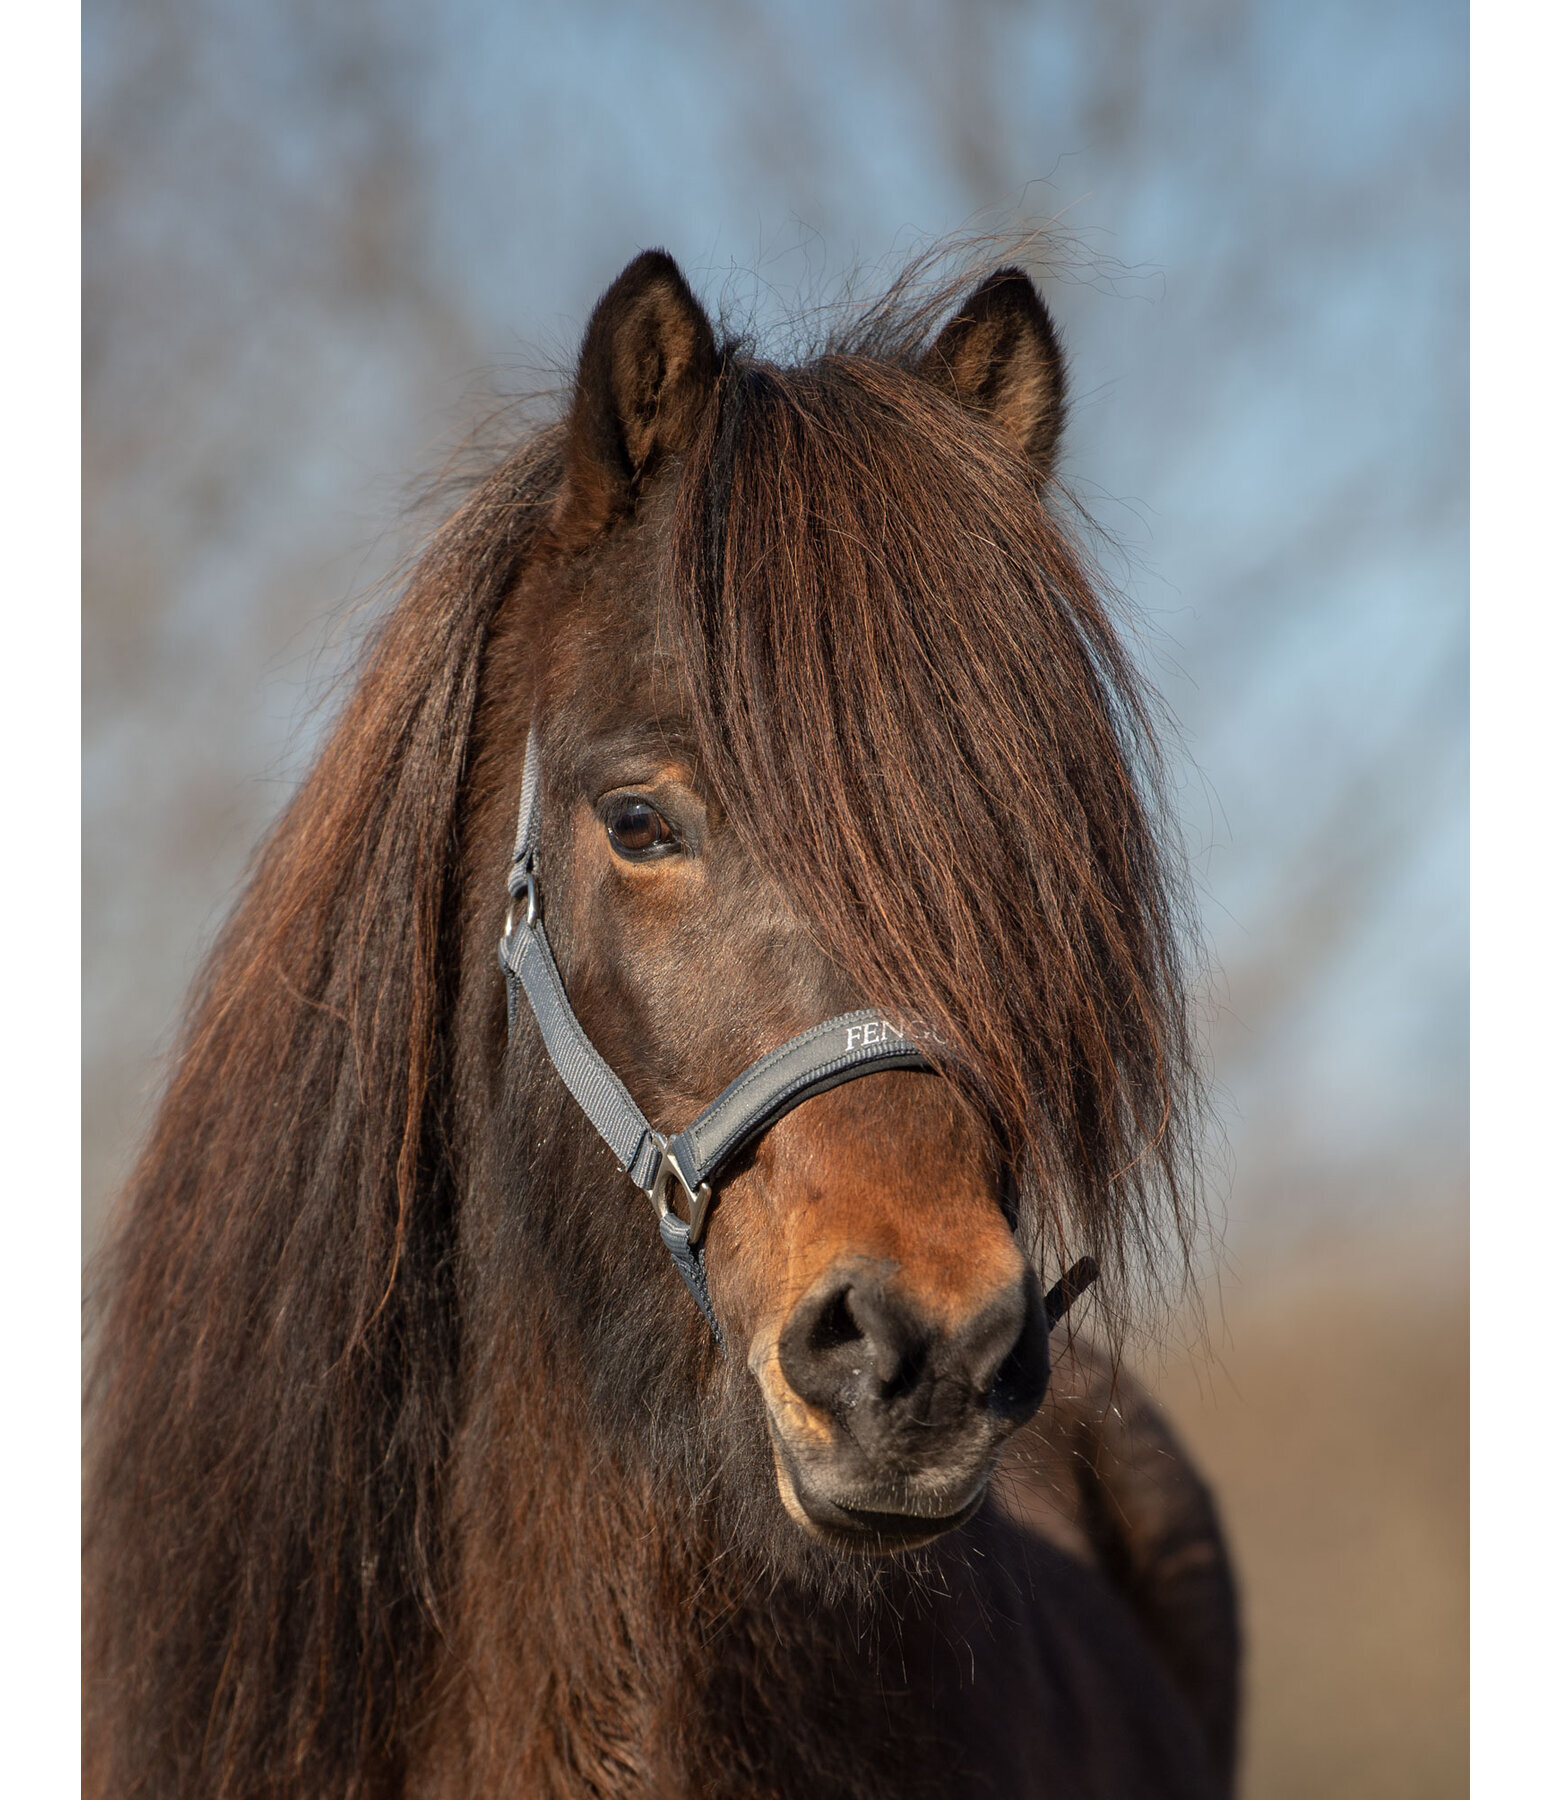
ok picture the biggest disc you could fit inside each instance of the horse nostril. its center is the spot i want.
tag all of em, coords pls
(835, 1325)
(1022, 1375)
(857, 1346)
(849, 1340)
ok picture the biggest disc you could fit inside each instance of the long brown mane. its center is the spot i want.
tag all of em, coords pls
(900, 673)
(274, 1373)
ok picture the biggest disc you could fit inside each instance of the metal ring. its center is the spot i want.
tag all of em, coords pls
(528, 882)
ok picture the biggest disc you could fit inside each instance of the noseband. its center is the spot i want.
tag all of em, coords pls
(839, 1050)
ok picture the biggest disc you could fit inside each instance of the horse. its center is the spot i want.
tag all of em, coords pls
(428, 1459)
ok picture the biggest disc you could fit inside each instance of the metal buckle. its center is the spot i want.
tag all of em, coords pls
(699, 1198)
(527, 883)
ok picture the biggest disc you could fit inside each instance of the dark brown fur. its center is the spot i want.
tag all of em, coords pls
(413, 1468)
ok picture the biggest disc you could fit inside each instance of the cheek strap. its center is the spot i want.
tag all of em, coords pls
(839, 1050)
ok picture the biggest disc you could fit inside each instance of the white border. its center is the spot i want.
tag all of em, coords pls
(1510, 871)
(40, 737)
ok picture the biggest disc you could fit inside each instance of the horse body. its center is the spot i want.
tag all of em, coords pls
(416, 1470)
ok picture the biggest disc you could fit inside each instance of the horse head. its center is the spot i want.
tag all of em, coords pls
(747, 645)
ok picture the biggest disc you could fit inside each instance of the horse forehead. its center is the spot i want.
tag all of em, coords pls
(609, 626)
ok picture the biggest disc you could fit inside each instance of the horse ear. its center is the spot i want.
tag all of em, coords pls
(999, 355)
(647, 367)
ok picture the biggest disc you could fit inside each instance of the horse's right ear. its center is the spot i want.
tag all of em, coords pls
(999, 356)
(647, 368)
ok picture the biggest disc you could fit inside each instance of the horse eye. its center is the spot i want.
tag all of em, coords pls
(637, 829)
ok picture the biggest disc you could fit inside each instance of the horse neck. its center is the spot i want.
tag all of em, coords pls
(581, 1601)
(608, 1643)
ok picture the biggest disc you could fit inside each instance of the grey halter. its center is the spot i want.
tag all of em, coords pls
(838, 1050)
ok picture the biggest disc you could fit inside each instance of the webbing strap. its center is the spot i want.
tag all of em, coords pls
(840, 1049)
(1069, 1289)
(526, 957)
(528, 809)
(689, 1260)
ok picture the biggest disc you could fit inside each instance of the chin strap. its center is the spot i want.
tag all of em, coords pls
(839, 1050)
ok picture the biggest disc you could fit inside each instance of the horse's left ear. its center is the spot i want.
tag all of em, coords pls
(647, 368)
(999, 355)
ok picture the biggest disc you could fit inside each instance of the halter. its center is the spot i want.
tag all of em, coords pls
(839, 1050)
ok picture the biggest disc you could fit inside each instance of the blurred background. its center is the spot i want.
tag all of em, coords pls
(324, 241)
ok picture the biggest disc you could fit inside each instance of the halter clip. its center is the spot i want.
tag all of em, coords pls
(699, 1198)
(518, 885)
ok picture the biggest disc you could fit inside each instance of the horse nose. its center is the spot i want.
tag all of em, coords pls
(860, 1348)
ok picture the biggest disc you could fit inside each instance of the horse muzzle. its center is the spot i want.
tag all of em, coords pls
(885, 1418)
